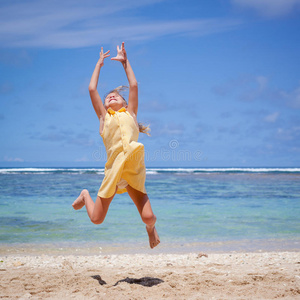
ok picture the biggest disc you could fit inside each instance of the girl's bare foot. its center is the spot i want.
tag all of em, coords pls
(79, 202)
(153, 236)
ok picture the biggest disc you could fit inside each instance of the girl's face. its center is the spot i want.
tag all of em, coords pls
(114, 101)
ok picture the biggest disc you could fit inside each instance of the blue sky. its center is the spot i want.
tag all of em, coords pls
(219, 81)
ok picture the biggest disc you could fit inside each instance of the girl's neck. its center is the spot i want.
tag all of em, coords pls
(115, 107)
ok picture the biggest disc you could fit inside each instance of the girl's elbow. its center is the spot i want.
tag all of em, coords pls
(133, 84)
(92, 88)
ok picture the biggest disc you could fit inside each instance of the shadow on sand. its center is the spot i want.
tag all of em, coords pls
(145, 281)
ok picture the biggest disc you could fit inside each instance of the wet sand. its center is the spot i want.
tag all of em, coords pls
(252, 275)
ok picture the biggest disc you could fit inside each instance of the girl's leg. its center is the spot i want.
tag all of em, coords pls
(143, 205)
(96, 211)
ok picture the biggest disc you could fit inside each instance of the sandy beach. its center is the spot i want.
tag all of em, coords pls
(259, 275)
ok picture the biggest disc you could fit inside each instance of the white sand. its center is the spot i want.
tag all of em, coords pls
(267, 275)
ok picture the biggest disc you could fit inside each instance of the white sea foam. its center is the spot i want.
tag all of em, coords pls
(26, 170)
(48, 170)
(149, 171)
(224, 170)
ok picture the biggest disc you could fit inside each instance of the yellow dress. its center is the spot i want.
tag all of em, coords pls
(125, 156)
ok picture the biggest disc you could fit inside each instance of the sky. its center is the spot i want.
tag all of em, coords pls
(219, 80)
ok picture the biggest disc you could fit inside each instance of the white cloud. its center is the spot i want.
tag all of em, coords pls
(271, 118)
(16, 58)
(257, 88)
(82, 159)
(17, 159)
(73, 24)
(289, 134)
(292, 98)
(262, 82)
(269, 8)
(245, 87)
(171, 129)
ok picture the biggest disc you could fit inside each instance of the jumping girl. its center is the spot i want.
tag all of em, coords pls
(125, 169)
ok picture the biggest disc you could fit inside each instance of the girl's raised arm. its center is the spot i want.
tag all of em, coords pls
(133, 86)
(95, 97)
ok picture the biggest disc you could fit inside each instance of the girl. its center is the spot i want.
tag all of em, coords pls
(125, 169)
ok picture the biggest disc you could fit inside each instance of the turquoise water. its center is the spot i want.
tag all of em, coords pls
(191, 205)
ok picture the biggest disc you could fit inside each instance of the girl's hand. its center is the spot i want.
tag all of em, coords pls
(103, 56)
(121, 55)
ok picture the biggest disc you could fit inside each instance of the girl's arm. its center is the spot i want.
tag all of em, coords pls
(95, 97)
(133, 86)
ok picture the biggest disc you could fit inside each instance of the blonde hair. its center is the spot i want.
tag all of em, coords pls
(120, 91)
(144, 129)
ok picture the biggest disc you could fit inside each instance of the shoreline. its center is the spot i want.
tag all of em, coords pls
(265, 275)
(88, 248)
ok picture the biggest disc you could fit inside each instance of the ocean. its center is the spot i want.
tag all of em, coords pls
(213, 209)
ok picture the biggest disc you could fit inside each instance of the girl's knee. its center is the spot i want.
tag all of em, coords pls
(85, 192)
(97, 220)
(149, 218)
